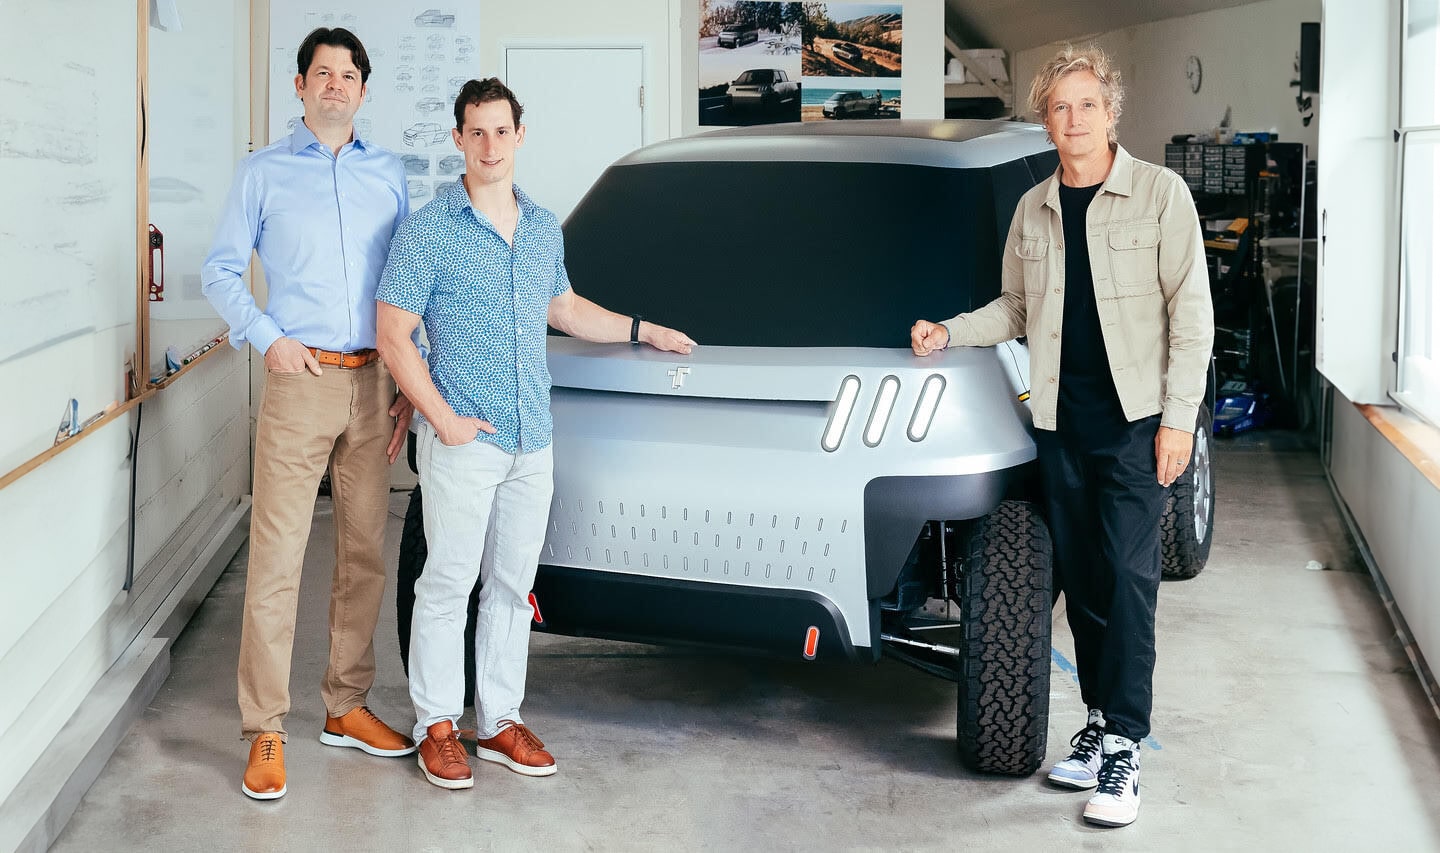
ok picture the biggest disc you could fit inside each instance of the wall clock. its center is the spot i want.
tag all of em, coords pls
(1193, 73)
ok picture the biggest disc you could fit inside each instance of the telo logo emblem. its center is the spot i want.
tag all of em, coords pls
(677, 377)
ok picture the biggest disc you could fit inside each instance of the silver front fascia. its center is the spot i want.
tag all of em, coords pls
(723, 479)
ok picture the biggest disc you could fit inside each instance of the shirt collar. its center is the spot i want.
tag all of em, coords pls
(1122, 173)
(458, 200)
(302, 137)
(1119, 181)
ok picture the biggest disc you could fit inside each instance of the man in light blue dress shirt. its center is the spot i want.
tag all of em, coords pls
(319, 207)
(484, 267)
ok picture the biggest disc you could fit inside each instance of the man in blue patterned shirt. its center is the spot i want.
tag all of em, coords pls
(484, 268)
(320, 207)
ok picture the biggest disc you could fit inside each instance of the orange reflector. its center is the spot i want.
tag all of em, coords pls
(535, 606)
(812, 640)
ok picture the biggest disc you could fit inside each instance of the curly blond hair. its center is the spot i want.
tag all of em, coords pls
(1069, 60)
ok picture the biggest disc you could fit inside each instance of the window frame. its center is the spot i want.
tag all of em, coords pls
(1419, 395)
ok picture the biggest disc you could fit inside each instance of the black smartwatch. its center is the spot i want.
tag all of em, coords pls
(635, 328)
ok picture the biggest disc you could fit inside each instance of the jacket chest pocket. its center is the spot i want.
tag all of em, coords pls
(1034, 254)
(1135, 258)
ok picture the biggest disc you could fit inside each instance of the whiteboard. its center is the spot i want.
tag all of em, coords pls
(420, 56)
(67, 228)
(196, 139)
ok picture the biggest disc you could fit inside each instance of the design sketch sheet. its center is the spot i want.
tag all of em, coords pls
(420, 56)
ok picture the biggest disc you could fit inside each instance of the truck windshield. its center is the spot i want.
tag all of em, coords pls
(795, 254)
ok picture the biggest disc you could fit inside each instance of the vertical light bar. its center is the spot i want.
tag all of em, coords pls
(880, 415)
(840, 413)
(925, 409)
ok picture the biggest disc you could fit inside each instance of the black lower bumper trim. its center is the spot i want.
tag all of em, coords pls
(611, 605)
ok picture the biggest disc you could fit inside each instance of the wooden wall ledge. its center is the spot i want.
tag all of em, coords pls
(94, 426)
(1416, 440)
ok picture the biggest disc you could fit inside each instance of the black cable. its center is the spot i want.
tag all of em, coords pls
(1024, 378)
(134, 468)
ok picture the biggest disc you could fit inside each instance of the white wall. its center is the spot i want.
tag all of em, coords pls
(1247, 54)
(1396, 509)
(653, 24)
(65, 618)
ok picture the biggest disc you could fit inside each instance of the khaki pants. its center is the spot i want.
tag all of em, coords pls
(339, 418)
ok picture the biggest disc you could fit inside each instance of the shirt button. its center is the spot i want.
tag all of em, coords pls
(1060, 246)
(1054, 336)
(1057, 290)
(1052, 380)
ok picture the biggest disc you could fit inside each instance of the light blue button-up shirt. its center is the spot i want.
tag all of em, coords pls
(485, 305)
(322, 225)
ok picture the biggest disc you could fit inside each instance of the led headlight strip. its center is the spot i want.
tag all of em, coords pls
(880, 414)
(925, 409)
(840, 413)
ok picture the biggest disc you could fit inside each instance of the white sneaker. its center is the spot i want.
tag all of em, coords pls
(1081, 768)
(1116, 802)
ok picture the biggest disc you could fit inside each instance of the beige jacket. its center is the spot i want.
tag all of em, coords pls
(1151, 290)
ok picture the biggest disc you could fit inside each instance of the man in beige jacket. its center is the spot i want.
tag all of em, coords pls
(1120, 329)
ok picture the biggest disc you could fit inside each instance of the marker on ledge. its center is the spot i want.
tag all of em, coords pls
(202, 350)
(110, 407)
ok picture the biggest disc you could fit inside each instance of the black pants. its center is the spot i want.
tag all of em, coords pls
(1103, 506)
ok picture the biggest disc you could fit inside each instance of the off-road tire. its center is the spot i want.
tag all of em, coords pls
(412, 564)
(1187, 523)
(1004, 679)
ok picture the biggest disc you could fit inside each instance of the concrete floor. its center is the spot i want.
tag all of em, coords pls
(1286, 717)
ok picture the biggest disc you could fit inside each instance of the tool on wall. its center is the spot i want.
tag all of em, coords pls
(157, 247)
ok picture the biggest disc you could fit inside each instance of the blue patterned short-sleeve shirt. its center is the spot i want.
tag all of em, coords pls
(485, 305)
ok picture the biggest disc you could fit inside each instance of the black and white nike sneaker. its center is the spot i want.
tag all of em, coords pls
(1116, 801)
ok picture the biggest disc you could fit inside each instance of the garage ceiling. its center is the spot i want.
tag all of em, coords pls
(1020, 24)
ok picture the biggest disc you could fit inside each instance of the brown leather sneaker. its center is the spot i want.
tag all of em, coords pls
(442, 758)
(363, 730)
(265, 772)
(517, 747)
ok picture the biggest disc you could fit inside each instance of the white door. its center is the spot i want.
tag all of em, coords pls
(583, 111)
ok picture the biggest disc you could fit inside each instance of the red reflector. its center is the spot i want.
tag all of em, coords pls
(535, 606)
(812, 640)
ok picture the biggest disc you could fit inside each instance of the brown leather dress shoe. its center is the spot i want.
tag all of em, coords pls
(442, 758)
(363, 730)
(517, 747)
(265, 772)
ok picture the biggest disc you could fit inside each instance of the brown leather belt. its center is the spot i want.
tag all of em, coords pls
(347, 360)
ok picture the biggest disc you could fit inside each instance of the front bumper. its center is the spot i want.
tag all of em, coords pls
(595, 603)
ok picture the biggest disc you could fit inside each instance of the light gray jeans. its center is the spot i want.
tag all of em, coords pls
(485, 515)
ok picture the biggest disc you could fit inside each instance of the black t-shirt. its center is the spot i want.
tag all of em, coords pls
(1088, 406)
